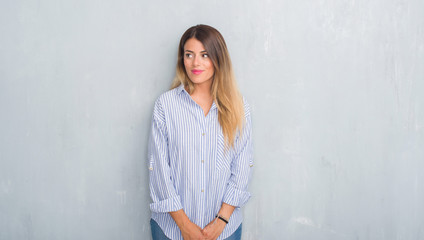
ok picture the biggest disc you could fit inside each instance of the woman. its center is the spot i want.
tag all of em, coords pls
(200, 150)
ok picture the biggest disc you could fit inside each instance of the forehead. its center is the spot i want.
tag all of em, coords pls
(193, 44)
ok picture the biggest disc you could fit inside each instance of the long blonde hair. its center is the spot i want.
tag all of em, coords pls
(224, 88)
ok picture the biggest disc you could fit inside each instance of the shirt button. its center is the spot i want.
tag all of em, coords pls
(203, 161)
(203, 190)
(203, 134)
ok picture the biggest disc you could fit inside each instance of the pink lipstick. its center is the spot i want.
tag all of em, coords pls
(196, 72)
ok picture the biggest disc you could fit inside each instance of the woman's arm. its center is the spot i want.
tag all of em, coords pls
(236, 193)
(162, 190)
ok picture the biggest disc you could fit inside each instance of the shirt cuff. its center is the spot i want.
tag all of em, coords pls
(168, 205)
(235, 197)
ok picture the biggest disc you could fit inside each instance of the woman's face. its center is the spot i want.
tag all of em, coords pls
(197, 63)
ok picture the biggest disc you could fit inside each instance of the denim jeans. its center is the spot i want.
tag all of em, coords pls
(158, 234)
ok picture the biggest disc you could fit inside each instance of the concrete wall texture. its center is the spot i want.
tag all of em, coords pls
(337, 95)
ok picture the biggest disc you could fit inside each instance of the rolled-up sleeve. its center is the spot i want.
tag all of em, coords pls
(236, 193)
(162, 190)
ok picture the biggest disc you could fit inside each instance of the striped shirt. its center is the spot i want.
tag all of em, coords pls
(189, 168)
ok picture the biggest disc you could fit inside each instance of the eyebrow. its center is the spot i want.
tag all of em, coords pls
(203, 51)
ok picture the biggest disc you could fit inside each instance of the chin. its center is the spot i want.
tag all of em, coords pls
(197, 80)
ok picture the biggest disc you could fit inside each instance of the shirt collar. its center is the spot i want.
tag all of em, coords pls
(181, 89)
(213, 105)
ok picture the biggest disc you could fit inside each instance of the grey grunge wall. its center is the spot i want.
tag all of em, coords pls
(336, 89)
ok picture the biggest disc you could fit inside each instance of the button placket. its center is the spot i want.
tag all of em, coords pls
(202, 155)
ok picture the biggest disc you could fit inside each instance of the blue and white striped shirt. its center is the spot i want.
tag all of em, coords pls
(189, 167)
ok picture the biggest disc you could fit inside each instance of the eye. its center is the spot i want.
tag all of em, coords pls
(205, 55)
(188, 55)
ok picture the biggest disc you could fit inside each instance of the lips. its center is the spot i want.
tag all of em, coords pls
(196, 72)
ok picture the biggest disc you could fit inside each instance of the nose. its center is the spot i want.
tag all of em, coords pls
(196, 61)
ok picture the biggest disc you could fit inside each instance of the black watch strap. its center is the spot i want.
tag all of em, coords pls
(223, 219)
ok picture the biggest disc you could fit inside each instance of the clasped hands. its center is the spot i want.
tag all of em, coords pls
(210, 232)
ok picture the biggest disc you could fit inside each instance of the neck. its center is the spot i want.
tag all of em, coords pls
(203, 89)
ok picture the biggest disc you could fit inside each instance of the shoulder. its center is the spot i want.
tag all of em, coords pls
(164, 102)
(165, 99)
(168, 95)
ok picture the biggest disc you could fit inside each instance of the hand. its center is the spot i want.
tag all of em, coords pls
(192, 232)
(213, 229)
(189, 230)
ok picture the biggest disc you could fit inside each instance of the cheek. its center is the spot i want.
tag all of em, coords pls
(186, 64)
(209, 65)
